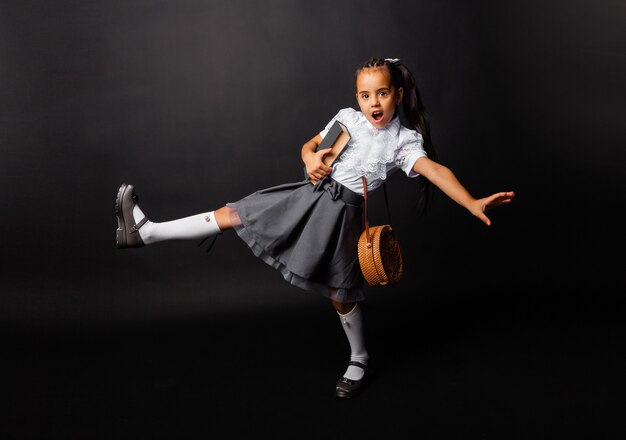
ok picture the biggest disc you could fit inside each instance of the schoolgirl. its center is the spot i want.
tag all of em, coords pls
(308, 230)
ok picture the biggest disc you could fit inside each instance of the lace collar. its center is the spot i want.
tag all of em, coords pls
(370, 149)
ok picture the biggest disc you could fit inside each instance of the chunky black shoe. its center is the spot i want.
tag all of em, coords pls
(347, 388)
(127, 234)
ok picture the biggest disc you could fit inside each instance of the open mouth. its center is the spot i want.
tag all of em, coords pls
(377, 116)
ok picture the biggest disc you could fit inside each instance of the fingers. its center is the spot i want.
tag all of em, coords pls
(498, 199)
(483, 218)
(506, 196)
(317, 174)
(479, 206)
(319, 169)
(321, 154)
(324, 168)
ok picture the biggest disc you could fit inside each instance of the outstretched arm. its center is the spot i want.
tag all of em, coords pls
(444, 179)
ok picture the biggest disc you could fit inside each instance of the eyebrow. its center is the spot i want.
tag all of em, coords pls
(378, 90)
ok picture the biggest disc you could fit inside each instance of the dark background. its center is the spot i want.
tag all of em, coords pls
(511, 331)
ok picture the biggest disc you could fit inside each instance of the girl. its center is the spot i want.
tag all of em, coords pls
(309, 230)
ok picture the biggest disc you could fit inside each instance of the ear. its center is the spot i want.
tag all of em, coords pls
(400, 94)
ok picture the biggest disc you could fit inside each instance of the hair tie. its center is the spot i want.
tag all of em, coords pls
(392, 60)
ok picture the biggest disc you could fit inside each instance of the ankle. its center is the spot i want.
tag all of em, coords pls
(145, 230)
(355, 370)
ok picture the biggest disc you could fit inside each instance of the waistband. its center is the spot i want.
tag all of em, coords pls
(337, 191)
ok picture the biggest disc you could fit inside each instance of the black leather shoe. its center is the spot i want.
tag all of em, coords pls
(347, 388)
(127, 234)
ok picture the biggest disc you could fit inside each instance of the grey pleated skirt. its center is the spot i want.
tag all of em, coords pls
(309, 233)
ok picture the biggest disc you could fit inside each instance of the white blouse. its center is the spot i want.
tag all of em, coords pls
(372, 152)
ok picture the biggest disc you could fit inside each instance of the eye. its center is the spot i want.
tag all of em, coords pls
(365, 96)
(384, 93)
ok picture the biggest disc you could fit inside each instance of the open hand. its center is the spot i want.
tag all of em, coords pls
(479, 206)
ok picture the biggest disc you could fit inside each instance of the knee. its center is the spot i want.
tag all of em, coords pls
(343, 308)
(222, 217)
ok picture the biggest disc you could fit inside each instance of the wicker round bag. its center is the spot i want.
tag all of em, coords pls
(380, 255)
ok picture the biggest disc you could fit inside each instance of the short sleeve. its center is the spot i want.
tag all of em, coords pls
(347, 116)
(411, 148)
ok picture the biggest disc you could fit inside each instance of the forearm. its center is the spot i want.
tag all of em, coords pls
(444, 179)
(308, 148)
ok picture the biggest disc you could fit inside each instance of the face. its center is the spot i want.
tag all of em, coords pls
(376, 95)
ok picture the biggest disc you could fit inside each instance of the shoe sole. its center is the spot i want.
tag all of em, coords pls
(120, 234)
(346, 395)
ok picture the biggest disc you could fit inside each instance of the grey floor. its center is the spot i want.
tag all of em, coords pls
(485, 367)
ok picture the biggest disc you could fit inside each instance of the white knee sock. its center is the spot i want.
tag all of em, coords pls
(352, 323)
(188, 228)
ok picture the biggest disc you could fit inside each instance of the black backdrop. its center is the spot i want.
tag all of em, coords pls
(199, 103)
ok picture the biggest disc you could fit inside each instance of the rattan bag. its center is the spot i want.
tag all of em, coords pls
(380, 255)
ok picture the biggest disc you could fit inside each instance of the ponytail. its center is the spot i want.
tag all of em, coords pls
(412, 113)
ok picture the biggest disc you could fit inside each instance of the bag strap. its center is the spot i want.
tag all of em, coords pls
(367, 226)
(387, 202)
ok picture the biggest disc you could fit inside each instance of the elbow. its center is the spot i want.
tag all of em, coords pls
(429, 168)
